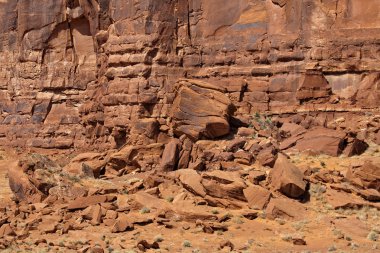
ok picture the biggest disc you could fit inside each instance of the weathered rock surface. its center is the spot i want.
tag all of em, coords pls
(102, 75)
(322, 141)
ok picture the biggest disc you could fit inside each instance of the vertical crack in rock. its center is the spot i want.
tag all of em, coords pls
(189, 22)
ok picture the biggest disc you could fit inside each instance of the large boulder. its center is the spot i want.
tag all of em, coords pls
(36, 176)
(285, 209)
(170, 156)
(365, 176)
(287, 178)
(31, 179)
(88, 164)
(191, 181)
(322, 141)
(200, 110)
(368, 94)
(224, 185)
(257, 196)
(130, 158)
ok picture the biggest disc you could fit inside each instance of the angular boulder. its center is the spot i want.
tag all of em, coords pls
(89, 164)
(224, 185)
(191, 181)
(133, 157)
(34, 176)
(286, 209)
(257, 196)
(122, 224)
(287, 178)
(322, 141)
(366, 176)
(340, 199)
(83, 202)
(356, 147)
(170, 156)
(200, 110)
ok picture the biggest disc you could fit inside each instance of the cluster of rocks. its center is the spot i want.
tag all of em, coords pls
(59, 201)
(212, 159)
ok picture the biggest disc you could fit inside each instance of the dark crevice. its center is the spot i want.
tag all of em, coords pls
(188, 23)
(72, 42)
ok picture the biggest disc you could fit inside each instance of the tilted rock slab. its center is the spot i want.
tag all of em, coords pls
(200, 110)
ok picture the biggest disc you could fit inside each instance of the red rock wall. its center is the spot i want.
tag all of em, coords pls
(99, 73)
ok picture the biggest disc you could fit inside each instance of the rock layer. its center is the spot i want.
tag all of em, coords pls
(83, 73)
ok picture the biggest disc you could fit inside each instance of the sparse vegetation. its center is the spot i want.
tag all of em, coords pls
(373, 236)
(286, 237)
(170, 199)
(144, 210)
(158, 238)
(186, 244)
(280, 221)
(300, 225)
(262, 121)
(134, 180)
(338, 234)
(237, 220)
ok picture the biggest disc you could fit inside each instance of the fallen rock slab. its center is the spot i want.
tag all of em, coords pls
(320, 140)
(122, 224)
(33, 176)
(365, 176)
(83, 202)
(287, 178)
(191, 181)
(285, 209)
(88, 164)
(170, 155)
(6, 230)
(338, 199)
(257, 196)
(352, 226)
(370, 194)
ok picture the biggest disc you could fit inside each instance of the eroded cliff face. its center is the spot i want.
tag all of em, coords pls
(103, 73)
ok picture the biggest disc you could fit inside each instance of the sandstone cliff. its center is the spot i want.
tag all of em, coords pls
(93, 73)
